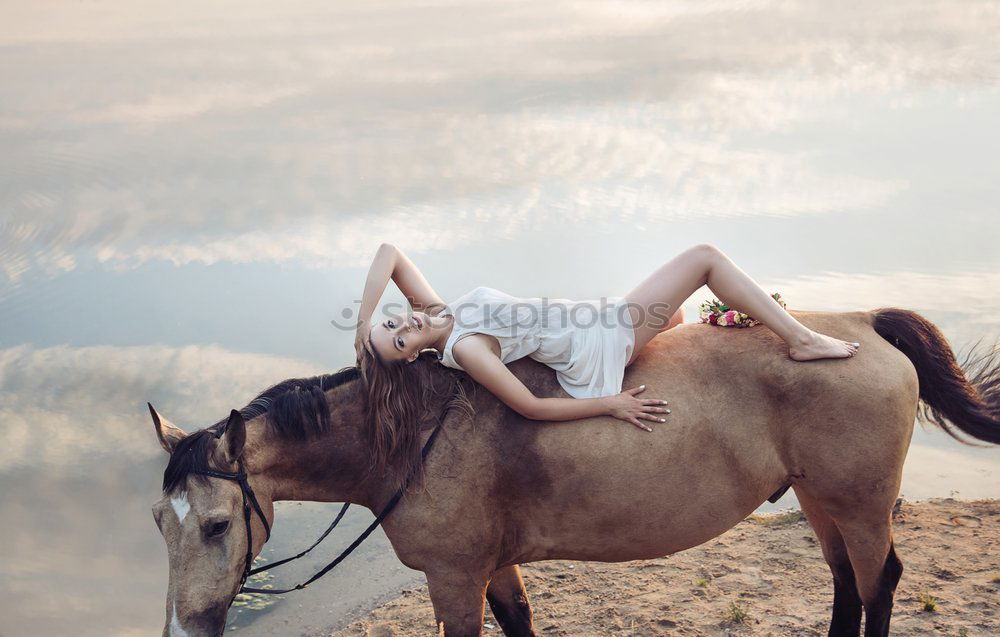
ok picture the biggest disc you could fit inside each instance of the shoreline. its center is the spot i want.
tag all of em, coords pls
(765, 576)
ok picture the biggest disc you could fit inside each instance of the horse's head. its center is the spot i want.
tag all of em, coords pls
(203, 522)
(305, 445)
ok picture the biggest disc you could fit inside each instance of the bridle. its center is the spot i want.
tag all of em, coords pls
(250, 504)
(240, 477)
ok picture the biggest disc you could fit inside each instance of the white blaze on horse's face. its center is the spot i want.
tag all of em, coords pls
(175, 625)
(181, 506)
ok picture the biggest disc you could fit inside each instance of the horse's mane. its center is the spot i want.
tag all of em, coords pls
(295, 409)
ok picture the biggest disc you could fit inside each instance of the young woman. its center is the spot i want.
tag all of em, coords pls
(588, 343)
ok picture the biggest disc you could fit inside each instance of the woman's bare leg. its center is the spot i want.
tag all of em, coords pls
(675, 320)
(669, 286)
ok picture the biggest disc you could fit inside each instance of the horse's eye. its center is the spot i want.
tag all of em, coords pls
(218, 528)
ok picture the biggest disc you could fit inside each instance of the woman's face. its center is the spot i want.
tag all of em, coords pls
(401, 337)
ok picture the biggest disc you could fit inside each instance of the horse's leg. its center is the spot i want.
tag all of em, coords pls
(846, 621)
(459, 601)
(509, 602)
(876, 570)
(867, 532)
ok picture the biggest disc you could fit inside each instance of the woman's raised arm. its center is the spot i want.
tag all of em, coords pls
(391, 263)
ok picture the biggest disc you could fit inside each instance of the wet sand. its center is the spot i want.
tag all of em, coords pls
(765, 576)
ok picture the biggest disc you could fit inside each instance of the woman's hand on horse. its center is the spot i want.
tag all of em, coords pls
(361, 337)
(625, 406)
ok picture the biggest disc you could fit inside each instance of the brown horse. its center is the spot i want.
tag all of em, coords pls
(500, 490)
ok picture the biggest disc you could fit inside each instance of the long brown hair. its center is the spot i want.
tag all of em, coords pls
(402, 400)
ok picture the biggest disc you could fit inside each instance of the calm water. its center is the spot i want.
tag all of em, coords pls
(190, 194)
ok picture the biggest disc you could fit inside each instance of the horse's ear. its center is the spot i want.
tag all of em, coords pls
(234, 438)
(167, 432)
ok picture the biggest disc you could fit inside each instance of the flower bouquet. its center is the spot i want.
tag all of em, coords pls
(715, 312)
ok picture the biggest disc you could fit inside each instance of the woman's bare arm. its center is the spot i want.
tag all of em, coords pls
(476, 357)
(391, 263)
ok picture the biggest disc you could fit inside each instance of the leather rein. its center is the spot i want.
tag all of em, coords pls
(250, 504)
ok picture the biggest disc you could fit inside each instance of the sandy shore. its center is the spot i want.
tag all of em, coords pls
(765, 576)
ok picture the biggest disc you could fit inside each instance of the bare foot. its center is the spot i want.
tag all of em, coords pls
(822, 346)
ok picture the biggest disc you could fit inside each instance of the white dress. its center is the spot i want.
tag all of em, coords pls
(586, 342)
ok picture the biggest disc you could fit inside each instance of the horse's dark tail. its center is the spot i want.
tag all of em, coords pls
(965, 396)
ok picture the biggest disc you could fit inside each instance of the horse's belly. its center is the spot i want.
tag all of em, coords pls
(632, 535)
(651, 498)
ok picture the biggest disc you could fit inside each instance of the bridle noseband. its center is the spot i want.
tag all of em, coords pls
(249, 499)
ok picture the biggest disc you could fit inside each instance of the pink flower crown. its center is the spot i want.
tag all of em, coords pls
(715, 312)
